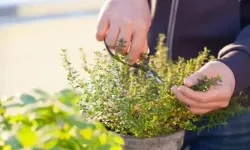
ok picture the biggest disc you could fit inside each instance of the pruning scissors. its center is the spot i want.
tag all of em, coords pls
(150, 72)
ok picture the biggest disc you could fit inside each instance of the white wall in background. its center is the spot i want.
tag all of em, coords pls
(30, 52)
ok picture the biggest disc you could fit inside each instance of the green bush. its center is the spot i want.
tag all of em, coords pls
(130, 103)
(51, 122)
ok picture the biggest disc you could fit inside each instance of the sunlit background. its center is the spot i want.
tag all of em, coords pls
(32, 34)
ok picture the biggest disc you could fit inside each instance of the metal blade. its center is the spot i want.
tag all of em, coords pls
(153, 74)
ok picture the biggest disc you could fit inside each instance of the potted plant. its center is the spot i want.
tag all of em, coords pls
(50, 122)
(145, 113)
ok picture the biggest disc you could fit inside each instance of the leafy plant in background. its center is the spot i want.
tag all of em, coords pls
(51, 122)
(130, 103)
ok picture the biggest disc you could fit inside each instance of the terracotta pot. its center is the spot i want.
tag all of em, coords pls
(172, 141)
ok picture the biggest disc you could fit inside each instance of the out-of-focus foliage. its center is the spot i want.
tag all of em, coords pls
(51, 122)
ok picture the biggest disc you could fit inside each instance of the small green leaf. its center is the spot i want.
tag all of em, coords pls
(68, 97)
(27, 99)
(155, 118)
(13, 142)
(87, 133)
(7, 147)
(44, 95)
(103, 138)
(100, 126)
(26, 136)
(116, 148)
(10, 98)
(35, 148)
(50, 144)
(2, 110)
(118, 140)
(77, 121)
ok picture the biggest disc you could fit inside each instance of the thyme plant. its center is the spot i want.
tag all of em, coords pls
(131, 103)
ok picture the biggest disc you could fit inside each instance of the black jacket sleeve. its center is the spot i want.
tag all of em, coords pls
(237, 54)
(237, 57)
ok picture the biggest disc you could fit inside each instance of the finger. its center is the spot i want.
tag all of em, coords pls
(146, 49)
(123, 41)
(112, 36)
(179, 96)
(102, 28)
(193, 103)
(193, 79)
(199, 111)
(212, 95)
(137, 47)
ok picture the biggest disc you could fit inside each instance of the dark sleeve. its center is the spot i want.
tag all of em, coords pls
(237, 57)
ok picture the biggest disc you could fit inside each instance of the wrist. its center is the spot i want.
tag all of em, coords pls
(227, 73)
(237, 61)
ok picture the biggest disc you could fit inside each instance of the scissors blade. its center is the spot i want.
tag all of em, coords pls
(153, 74)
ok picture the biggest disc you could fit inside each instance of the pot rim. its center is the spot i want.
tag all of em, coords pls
(155, 137)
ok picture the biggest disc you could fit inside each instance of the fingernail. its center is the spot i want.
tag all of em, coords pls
(187, 82)
(181, 88)
(174, 88)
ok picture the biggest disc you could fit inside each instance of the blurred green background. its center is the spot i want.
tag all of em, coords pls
(32, 34)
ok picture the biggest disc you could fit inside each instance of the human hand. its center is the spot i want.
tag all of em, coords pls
(217, 97)
(127, 21)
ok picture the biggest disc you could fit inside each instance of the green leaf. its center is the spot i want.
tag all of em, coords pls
(77, 121)
(7, 147)
(118, 140)
(13, 142)
(50, 144)
(59, 148)
(68, 97)
(26, 136)
(103, 138)
(104, 147)
(116, 148)
(27, 99)
(44, 95)
(2, 110)
(35, 148)
(100, 126)
(10, 98)
(87, 133)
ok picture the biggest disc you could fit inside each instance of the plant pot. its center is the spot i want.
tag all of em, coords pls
(172, 141)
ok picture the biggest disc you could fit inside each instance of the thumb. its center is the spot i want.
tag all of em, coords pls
(193, 79)
(146, 49)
